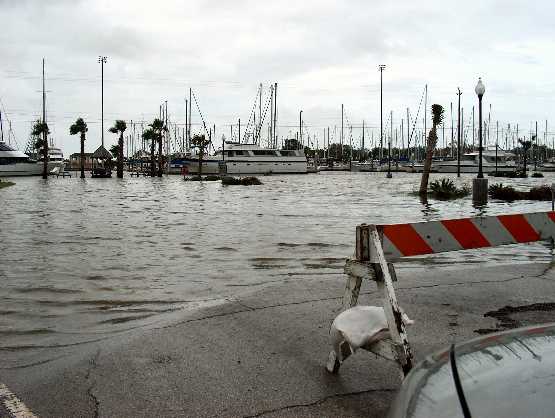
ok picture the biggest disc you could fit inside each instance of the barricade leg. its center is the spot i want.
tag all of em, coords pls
(350, 299)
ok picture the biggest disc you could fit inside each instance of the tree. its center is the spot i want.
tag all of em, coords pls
(158, 127)
(80, 127)
(119, 127)
(149, 135)
(291, 144)
(437, 117)
(526, 145)
(40, 129)
(114, 150)
(201, 143)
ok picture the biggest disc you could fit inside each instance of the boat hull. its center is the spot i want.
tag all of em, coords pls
(452, 168)
(26, 169)
(232, 167)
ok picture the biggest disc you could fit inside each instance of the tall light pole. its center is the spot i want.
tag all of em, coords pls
(300, 129)
(102, 60)
(458, 134)
(381, 67)
(480, 184)
(480, 90)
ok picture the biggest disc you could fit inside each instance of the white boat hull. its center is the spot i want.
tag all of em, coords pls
(244, 167)
(452, 168)
(26, 169)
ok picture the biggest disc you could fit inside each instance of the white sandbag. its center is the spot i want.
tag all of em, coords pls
(360, 326)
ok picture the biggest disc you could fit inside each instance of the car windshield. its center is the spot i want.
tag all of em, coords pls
(515, 371)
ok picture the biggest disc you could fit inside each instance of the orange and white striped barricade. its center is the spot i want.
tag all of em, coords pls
(378, 245)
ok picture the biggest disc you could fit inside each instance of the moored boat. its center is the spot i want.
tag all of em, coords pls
(236, 158)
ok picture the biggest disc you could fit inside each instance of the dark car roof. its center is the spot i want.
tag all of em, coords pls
(508, 374)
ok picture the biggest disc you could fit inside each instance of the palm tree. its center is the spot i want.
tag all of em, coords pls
(437, 117)
(119, 127)
(41, 144)
(158, 127)
(149, 135)
(80, 127)
(201, 143)
(526, 145)
(114, 150)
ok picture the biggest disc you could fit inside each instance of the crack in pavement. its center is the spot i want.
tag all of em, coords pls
(317, 402)
(93, 363)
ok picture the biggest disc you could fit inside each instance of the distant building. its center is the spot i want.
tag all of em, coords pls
(75, 161)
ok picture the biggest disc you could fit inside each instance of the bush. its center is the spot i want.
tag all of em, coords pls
(508, 193)
(537, 174)
(508, 174)
(245, 181)
(498, 191)
(5, 184)
(446, 189)
(540, 193)
(199, 178)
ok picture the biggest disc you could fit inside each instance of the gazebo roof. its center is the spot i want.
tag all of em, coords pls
(102, 153)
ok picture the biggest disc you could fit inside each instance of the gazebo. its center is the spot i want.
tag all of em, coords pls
(102, 163)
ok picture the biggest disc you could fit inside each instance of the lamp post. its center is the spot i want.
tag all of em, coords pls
(480, 90)
(381, 67)
(102, 60)
(300, 128)
(480, 184)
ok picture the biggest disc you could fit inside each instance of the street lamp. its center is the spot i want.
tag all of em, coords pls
(480, 90)
(102, 60)
(381, 67)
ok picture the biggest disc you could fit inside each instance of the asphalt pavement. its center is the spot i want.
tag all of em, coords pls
(263, 355)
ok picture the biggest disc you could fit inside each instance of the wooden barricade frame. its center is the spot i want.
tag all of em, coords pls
(375, 244)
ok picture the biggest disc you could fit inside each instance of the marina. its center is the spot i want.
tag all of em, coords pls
(291, 210)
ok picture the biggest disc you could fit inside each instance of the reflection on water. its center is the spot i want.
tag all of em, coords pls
(81, 259)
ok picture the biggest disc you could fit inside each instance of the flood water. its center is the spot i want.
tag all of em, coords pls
(86, 258)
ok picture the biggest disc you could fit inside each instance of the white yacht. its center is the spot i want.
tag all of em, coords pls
(469, 163)
(236, 158)
(16, 163)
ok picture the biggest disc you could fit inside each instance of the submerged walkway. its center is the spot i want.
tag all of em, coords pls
(263, 355)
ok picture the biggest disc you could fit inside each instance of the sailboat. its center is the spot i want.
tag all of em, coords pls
(17, 163)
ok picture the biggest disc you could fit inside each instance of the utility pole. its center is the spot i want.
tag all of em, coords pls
(190, 115)
(425, 112)
(239, 130)
(167, 133)
(408, 134)
(300, 128)
(389, 148)
(259, 115)
(341, 136)
(44, 131)
(362, 137)
(459, 135)
(536, 149)
(452, 135)
(102, 60)
(186, 123)
(275, 115)
(381, 67)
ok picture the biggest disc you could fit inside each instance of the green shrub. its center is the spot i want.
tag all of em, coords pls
(245, 181)
(446, 189)
(498, 191)
(540, 193)
(537, 174)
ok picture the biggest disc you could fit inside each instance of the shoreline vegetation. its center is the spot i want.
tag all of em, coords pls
(227, 180)
(445, 189)
(510, 194)
(5, 184)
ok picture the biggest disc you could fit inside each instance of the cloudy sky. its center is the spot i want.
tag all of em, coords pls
(322, 53)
